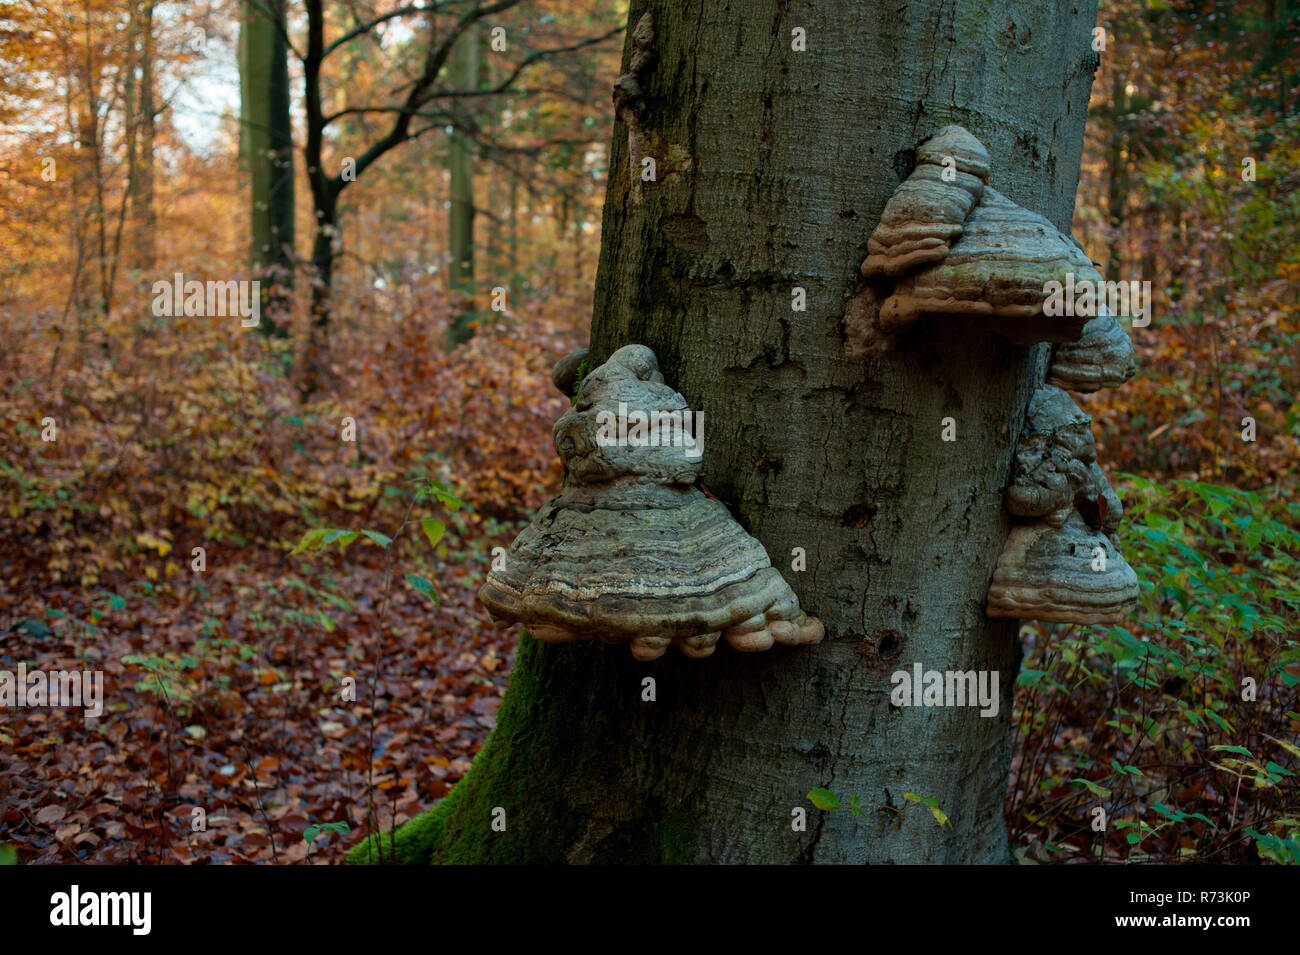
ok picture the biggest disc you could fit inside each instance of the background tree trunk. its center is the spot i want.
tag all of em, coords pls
(267, 149)
(144, 223)
(773, 169)
(461, 220)
(1117, 183)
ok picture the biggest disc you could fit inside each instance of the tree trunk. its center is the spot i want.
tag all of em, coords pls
(266, 144)
(142, 213)
(1116, 165)
(324, 249)
(131, 57)
(89, 137)
(280, 264)
(773, 167)
(494, 172)
(461, 221)
(513, 265)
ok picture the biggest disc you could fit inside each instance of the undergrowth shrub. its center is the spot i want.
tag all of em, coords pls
(193, 435)
(1173, 737)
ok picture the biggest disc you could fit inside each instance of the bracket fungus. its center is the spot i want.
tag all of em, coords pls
(1046, 573)
(996, 275)
(1066, 564)
(927, 210)
(955, 246)
(1102, 358)
(631, 551)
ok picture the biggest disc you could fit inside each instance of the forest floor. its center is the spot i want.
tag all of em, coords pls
(263, 743)
(238, 709)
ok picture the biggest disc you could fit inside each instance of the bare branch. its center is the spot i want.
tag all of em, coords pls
(535, 57)
(365, 28)
(419, 93)
(502, 87)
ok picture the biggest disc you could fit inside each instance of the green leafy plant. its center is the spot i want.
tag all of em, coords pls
(433, 529)
(166, 679)
(1189, 755)
(827, 801)
(312, 832)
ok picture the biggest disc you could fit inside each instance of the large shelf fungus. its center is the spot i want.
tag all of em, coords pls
(955, 246)
(631, 551)
(1066, 565)
(995, 276)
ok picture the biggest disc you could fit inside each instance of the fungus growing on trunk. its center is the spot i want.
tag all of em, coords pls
(631, 551)
(1056, 466)
(958, 247)
(1102, 358)
(995, 276)
(1072, 573)
(564, 375)
(1066, 565)
(926, 212)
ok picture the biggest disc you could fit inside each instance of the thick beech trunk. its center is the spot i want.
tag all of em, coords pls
(773, 167)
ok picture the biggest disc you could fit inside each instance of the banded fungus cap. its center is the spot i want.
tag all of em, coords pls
(1101, 358)
(626, 423)
(631, 551)
(926, 212)
(1071, 573)
(995, 276)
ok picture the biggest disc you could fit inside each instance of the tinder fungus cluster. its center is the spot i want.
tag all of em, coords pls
(1064, 563)
(631, 551)
(949, 244)
(954, 246)
(1062, 560)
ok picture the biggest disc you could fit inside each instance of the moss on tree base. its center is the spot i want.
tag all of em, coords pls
(506, 774)
(566, 789)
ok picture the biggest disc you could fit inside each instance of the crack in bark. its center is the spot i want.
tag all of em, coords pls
(805, 856)
(951, 11)
(836, 756)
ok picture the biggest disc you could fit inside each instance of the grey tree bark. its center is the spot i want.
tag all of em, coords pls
(773, 167)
